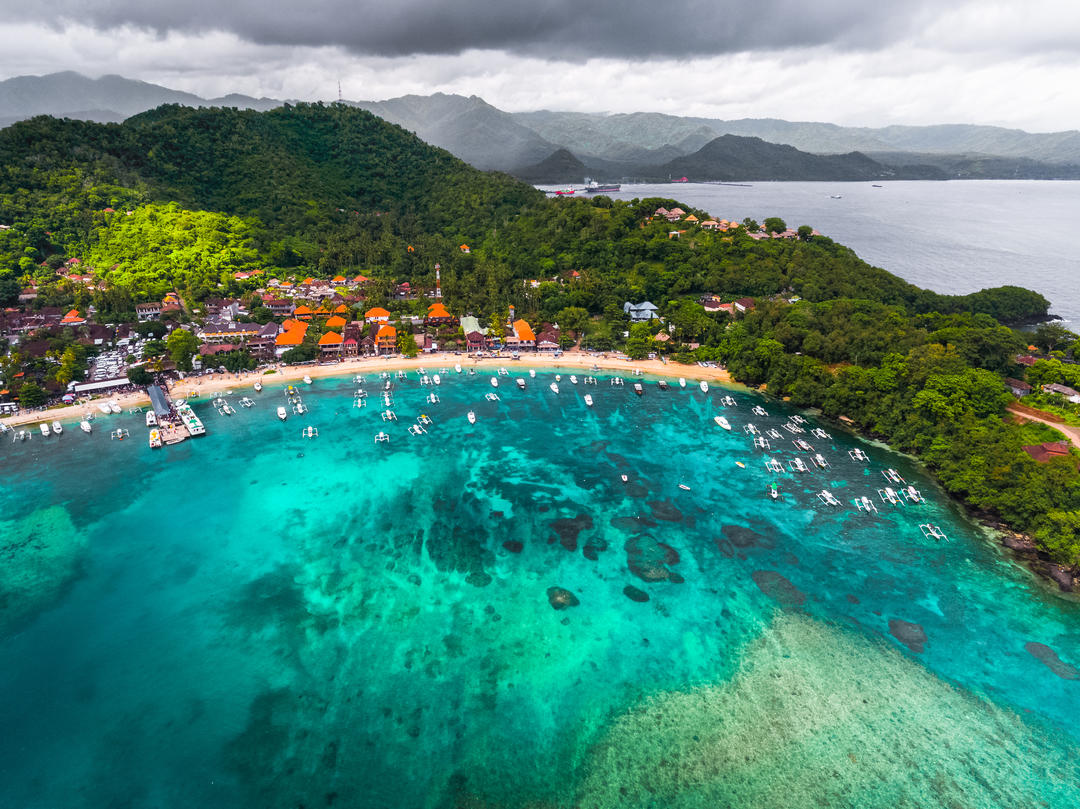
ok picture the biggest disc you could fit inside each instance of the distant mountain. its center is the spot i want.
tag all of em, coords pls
(559, 167)
(107, 99)
(468, 128)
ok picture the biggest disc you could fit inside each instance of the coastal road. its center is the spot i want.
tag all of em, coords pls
(1070, 432)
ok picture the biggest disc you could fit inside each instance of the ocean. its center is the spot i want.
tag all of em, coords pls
(951, 237)
(488, 615)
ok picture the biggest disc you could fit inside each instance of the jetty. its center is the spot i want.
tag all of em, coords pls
(176, 422)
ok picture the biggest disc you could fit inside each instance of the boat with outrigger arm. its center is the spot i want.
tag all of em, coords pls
(893, 476)
(797, 465)
(827, 497)
(864, 503)
(888, 495)
(858, 455)
(912, 495)
(758, 410)
(774, 466)
(932, 531)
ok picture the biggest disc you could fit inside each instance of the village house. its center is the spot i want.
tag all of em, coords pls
(222, 331)
(330, 344)
(547, 339)
(744, 305)
(437, 315)
(148, 311)
(640, 312)
(1018, 387)
(1026, 360)
(376, 315)
(278, 306)
(386, 339)
(1048, 451)
(1069, 393)
(521, 336)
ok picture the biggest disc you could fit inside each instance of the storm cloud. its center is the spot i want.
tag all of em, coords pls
(565, 29)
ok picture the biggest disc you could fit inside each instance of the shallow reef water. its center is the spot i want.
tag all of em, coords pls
(488, 615)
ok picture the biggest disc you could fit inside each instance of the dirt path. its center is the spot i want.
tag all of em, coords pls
(1070, 432)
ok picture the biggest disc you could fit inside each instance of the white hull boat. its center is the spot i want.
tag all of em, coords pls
(554, 387)
(722, 422)
(84, 425)
(588, 399)
(704, 386)
(282, 413)
(57, 427)
(471, 417)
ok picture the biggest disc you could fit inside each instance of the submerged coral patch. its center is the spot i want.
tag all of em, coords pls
(911, 635)
(1050, 659)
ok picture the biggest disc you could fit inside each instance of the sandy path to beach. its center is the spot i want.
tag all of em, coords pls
(203, 386)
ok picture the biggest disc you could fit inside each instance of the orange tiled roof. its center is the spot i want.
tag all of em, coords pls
(336, 322)
(331, 338)
(307, 282)
(301, 310)
(386, 332)
(437, 310)
(72, 317)
(293, 337)
(360, 279)
(523, 330)
(322, 311)
(338, 279)
(377, 311)
(340, 309)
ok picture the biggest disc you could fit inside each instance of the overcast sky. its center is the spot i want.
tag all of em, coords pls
(855, 62)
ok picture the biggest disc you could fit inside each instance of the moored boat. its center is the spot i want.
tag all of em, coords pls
(44, 429)
(85, 426)
(151, 419)
(471, 417)
(258, 386)
(307, 379)
(114, 408)
(588, 399)
(57, 427)
(638, 389)
(554, 387)
(282, 413)
(494, 382)
(704, 386)
(155, 438)
(682, 382)
(520, 383)
(104, 408)
(723, 422)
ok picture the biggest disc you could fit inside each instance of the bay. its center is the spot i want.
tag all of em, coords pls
(951, 237)
(255, 618)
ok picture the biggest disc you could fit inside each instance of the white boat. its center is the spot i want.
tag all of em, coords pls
(492, 397)
(682, 382)
(684, 487)
(57, 427)
(471, 417)
(728, 401)
(750, 429)
(865, 504)
(423, 418)
(44, 429)
(573, 379)
(246, 402)
(588, 399)
(532, 373)
(521, 383)
(797, 465)
(494, 382)
(119, 434)
(381, 437)
(624, 478)
(310, 432)
(389, 415)
(114, 408)
(912, 495)
(704, 386)
(774, 465)
(258, 386)
(820, 461)
(858, 455)
(723, 422)
(554, 387)
(282, 413)
(617, 381)
(932, 532)
(433, 398)
(638, 389)
(503, 372)
(762, 443)
(826, 497)
(416, 429)
(803, 444)
(888, 495)
(773, 434)
(817, 432)
(893, 476)
(457, 367)
(155, 438)
(151, 419)
(307, 379)
(773, 492)
(798, 419)
(558, 377)
(437, 379)
(84, 425)
(758, 410)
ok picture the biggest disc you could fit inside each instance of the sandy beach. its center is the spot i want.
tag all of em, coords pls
(203, 386)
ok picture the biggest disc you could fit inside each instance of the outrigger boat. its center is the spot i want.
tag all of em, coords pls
(381, 437)
(246, 402)
(775, 435)
(798, 419)
(889, 496)
(797, 465)
(858, 455)
(433, 398)
(389, 415)
(617, 381)
(503, 372)
(794, 429)
(423, 418)
(893, 476)
(826, 497)
(803, 444)
(588, 399)
(932, 531)
(359, 401)
(758, 410)
(912, 495)
(309, 432)
(820, 461)
(864, 503)
(119, 434)
(722, 422)
(817, 432)
(762, 443)
(589, 380)
(492, 397)
(416, 429)
(750, 429)
(728, 401)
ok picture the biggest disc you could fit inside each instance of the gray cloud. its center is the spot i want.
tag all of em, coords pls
(562, 29)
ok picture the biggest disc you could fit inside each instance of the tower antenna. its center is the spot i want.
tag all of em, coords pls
(339, 91)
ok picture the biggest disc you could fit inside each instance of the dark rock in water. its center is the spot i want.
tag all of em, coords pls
(852, 599)
(561, 598)
(632, 524)
(1060, 575)
(636, 490)
(514, 546)
(648, 559)
(665, 510)
(542, 509)
(565, 622)
(1018, 542)
(1049, 658)
(675, 578)
(568, 529)
(778, 588)
(911, 635)
(414, 579)
(743, 537)
(724, 546)
(498, 515)
(478, 578)
(634, 594)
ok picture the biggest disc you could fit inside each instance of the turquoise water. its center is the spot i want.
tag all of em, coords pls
(258, 619)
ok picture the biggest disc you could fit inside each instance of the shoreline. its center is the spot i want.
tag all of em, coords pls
(207, 386)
